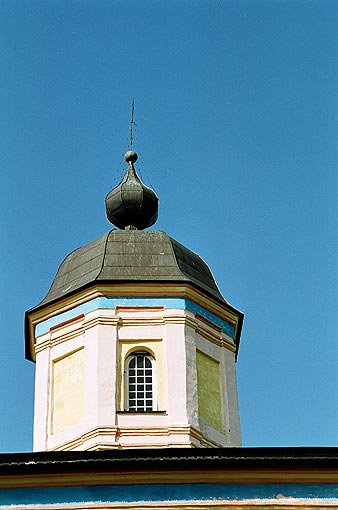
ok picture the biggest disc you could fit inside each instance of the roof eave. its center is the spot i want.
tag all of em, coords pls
(29, 341)
(254, 465)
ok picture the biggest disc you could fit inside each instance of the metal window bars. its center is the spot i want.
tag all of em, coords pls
(140, 383)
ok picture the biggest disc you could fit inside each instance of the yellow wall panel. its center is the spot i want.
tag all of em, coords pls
(209, 391)
(68, 391)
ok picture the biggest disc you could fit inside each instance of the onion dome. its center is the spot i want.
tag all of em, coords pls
(132, 205)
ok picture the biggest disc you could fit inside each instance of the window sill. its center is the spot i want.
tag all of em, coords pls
(164, 413)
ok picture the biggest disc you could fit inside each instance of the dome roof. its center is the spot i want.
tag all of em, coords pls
(127, 256)
(132, 204)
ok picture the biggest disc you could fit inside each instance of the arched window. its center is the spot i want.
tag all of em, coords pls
(140, 395)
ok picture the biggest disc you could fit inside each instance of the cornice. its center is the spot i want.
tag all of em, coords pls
(144, 290)
(80, 324)
(140, 289)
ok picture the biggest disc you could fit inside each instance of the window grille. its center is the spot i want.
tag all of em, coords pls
(140, 380)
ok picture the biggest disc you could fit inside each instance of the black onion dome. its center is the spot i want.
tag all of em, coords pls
(132, 204)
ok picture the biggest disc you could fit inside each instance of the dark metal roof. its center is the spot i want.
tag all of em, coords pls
(174, 459)
(131, 255)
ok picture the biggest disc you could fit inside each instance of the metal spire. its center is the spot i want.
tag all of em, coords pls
(132, 123)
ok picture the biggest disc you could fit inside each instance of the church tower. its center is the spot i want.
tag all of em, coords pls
(134, 344)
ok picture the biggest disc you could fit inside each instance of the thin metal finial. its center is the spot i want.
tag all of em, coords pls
(132, 123)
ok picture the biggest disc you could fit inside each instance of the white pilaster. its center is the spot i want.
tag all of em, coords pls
(175, 356)
(231, 398)
(42, 400)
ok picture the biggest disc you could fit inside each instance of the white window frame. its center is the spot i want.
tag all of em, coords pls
(128, 359)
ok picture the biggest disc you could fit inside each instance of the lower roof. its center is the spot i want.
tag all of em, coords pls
(238, 465)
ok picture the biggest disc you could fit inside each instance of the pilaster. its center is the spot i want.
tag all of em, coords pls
(42, 400)
(175, 356)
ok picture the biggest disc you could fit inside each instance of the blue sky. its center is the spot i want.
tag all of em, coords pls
(236, 113)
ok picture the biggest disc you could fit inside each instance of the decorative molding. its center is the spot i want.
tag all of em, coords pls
(150, 290)
(209, 336)
(210, 332)
(70, 322)
(208, 323)
(101, 321)
(80, 440)
(120, 434)
(106, 302)
(41, 346)
(121, 308)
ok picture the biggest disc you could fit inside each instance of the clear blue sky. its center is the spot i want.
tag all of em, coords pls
(236, 112)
